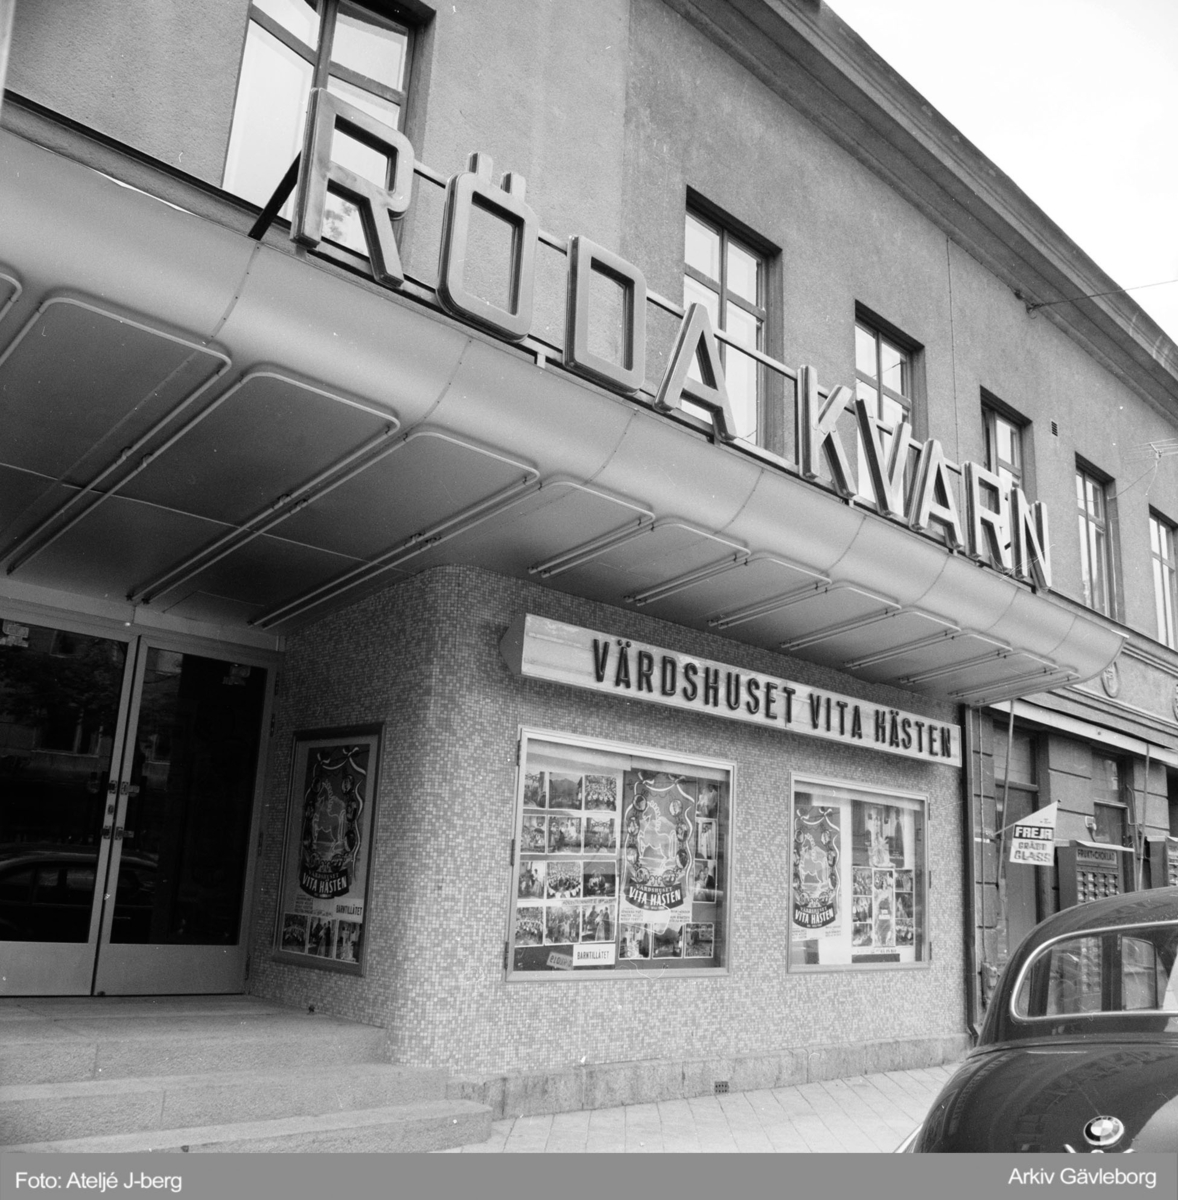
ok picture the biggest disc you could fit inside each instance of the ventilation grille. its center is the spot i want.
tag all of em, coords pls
(1055, 429)
(721, 1087)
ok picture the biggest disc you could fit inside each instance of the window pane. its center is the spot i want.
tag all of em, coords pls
(894, 362)
(740, 374)
(1110, 824)
(743, 273)
(369, 46)
(743, 326)
(696, 293)
(702, 248)
(1074, 977)
(375, 106)
(1141, 974)
(268, 119)
(1155, 535)
(864, 391)
(623, 862)
(858, 878)
(893, 411)
(301, 17)
(865, 351)
(1008, 448)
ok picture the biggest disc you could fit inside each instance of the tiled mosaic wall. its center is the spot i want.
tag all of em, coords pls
(423, 657)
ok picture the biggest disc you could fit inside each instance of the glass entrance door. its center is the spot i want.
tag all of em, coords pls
(63, 704)
(127, 779)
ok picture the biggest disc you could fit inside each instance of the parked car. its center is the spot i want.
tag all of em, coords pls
(1079, 1049)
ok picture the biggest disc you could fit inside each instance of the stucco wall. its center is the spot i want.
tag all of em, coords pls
(423, 657)
(159, 77)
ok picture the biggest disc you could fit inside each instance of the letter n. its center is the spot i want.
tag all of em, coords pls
(696, 343)
(378, 206)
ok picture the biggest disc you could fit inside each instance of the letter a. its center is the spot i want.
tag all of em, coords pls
(696, 341)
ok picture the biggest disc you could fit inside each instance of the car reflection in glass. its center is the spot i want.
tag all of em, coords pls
(46, 894)
(1079, 1049)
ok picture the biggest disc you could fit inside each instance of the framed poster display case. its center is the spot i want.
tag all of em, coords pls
(622, 860)
(327, 848)
(858, 876)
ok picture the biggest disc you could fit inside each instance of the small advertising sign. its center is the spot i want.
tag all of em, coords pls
(1033, 838)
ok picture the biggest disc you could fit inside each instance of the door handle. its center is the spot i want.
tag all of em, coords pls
(105, 832)
(119, 834)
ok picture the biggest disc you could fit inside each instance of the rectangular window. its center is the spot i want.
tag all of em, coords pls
(1161, 548)
(729, 277)
(885, 379)
(358, 52)
(1109, 809)
(622, 860)
(1004, 447)
(1095, 554)
(858, 881)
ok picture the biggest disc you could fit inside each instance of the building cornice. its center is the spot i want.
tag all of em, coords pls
(805, 53)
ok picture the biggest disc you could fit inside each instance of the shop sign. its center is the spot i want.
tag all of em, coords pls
(538, 648)
(1000, 527)
(1033, 838)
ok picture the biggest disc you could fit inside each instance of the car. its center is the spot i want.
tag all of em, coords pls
(1079, 1049)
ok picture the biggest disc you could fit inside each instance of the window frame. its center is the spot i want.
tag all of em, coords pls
(993, 412)
(769, 424)
(1097, 535)
(883, 331)
(319, 58)
(1165, 578)
(630, 969)
(871, 794)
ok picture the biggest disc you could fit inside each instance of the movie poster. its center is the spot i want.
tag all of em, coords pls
(658, 831)
(817, 866)
(328, 848)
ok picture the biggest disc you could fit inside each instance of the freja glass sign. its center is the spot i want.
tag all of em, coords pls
(1001, 527)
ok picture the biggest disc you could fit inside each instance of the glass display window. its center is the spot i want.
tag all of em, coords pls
(621, 861)
(858, 876)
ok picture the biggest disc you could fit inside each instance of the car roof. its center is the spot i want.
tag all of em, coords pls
(1135, 908)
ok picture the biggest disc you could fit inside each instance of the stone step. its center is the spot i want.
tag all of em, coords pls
(87, 1108)
(120, 1041)
(426, 1125)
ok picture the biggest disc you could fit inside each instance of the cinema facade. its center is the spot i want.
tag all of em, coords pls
(493, 633)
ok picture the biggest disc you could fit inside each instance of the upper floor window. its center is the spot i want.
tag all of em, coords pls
(729, 278)
(1004, 448)
(1095, 552)
(883, 373)
(359, 53)
(1161, 548)
(885, 379)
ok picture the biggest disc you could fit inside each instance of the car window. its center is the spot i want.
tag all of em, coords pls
(1103, 971)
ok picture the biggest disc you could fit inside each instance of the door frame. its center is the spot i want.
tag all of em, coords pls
(57, 968)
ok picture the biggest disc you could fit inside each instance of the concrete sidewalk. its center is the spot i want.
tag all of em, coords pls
(864, 1115)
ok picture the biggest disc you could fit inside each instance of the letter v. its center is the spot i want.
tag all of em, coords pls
(885, 469)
